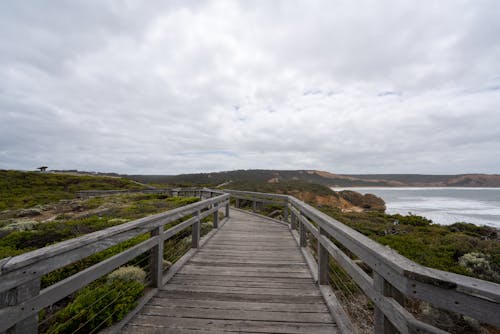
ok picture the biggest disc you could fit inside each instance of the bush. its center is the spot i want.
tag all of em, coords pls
(479, 265)
(412, 220)
(99, 305)
(128, 273)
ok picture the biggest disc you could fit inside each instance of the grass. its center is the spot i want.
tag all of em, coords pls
(26, 189)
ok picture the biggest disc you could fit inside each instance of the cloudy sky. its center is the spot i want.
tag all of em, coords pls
(177, 86)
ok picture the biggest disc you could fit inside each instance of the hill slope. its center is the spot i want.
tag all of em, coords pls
(325, 178)
(25, 189)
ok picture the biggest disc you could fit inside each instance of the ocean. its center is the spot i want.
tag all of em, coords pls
(479, 206)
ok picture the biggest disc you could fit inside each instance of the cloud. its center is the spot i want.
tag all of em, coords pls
(173, 87)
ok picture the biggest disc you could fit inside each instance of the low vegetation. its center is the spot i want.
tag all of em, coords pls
(27, 189)
(42, 209)
(101, 303)
(432, 245)
(78, 217)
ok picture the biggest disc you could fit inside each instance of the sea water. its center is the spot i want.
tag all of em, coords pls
(479, 206)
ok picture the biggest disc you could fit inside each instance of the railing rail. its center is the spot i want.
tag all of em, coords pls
(20, 276)
(393, 277)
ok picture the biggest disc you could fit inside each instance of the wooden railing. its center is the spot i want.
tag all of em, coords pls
(390, 277)
(20, 278)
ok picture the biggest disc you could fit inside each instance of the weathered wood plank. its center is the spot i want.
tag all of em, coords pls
(242, 278)
(241, 305)
(139, 329)
(241, 290)
(251, 284)
(209, 313)
(234, 325)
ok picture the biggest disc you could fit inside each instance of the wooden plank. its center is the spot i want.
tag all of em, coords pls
(266, 298)
(242, 290)
(241, 305)
(244, 263)
(242, 278)
(139, 329)
(209, 313)
(305, 286)
(248, 274)
(222, 257)
(234, 325)
(244, 269)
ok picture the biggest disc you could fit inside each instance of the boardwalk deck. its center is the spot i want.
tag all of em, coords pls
(249, 278)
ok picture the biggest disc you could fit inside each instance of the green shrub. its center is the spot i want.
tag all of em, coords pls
(412, 220)
(128, 273)
(479, 265)
(98, 306)
(27, 189)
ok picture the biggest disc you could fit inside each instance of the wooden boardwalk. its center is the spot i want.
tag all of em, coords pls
(249, 278)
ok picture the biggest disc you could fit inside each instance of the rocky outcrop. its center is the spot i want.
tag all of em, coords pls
(344, 200)
(366, 202)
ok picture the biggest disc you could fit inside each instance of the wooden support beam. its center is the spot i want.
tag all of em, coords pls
(216, 215)
(227, 209)
(293, 220)
(323, 261)
(382, 323)
(303, 236)
(196, 232)
(157, 259)
(16, 296)
(285, 212)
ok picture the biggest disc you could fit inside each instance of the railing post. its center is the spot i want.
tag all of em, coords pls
(157, 259)
(382, 324)
(196, 232)
(16, 296)
(302, 231)
(285, 211)
(216, 215)
(227, 209)
(237, 202)
(323, 257)
(254, 204)
(293, 221)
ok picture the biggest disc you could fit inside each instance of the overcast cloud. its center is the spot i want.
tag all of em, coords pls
(175, 87)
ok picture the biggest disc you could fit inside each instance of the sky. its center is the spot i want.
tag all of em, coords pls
(168, 87)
